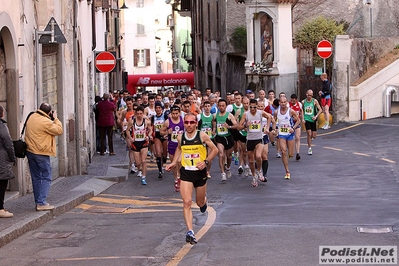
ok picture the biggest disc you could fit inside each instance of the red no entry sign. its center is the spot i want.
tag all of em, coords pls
(105, 62)
(324, 49)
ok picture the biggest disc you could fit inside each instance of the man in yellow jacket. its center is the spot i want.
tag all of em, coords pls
(41, 129)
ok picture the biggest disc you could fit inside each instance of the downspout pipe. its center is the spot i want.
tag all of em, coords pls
(390, 91)
(76, 87)
(93, 27)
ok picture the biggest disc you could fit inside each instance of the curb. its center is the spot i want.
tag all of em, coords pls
(40, 218)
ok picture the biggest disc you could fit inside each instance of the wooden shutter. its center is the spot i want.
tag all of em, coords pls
(147, 57)
(136, 57)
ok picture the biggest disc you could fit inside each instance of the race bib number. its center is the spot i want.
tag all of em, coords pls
(191, 160)
(139, 135)
(255, 126)
(208, 131)
(158, 125)
(309, 110)
(284, 130)
(174, 135)
(222, 130)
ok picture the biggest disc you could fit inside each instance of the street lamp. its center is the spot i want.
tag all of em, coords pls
(124, 5)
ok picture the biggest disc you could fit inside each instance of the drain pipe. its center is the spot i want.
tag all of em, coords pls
(390, 90)
(76, 87)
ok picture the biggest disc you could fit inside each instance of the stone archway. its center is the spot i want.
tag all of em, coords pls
(9, 89)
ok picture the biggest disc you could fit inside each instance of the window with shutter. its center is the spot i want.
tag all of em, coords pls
(136, 57)
(148, 57)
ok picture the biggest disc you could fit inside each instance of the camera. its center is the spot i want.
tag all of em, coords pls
(51, 114)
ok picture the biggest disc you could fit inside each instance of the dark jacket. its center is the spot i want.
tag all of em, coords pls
(106, 115)
(7, 155)
(326, 89)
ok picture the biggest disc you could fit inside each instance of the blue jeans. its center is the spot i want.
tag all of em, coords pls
(40, 171)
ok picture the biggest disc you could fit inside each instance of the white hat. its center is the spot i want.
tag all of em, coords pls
(166, 100)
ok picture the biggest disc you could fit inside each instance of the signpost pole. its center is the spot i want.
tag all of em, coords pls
(324, 64)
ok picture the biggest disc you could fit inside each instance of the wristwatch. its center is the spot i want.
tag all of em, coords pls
(206, 162)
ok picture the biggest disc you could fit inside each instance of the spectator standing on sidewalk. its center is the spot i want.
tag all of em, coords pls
(7, 159)
(325, 95)
(41, 129)
(106, 122)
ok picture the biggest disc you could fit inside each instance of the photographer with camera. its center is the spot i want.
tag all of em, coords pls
(41, 129)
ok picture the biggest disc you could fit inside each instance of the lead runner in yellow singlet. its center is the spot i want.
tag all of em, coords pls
(192, 153)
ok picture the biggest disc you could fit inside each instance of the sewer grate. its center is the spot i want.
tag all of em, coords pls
(43, 235)
(374, 230)
(106, 209)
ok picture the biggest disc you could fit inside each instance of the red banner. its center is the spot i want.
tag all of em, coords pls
(159, 80)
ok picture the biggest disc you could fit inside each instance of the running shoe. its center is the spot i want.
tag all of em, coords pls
(224, 177)
(278, 155)
(160, 175)
(298, 157)
(240, 170)
(273, 143)
(208, 175)
(260, 176)
(140, 174)
(152, 158)
(254, 181)
(177, 185)
(143, 181)
(236, 161)
(287, 176)
(246, 171)
(327, 126)
(310, 151)
(133, 170)
(203, 208)
(228, 173)
(190, 237)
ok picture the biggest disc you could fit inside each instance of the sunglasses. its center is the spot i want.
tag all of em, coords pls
(191, 122)
(253, 107)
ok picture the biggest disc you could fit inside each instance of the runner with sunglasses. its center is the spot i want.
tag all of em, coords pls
(192, 153)
(173, 127)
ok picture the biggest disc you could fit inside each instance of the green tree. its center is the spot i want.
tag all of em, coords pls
(239, 39)
(315, 30)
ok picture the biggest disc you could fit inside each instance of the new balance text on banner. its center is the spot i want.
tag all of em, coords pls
(363, 255)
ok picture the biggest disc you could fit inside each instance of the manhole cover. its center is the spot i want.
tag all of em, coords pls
(43, 235)
(106, 209)
(373, 230)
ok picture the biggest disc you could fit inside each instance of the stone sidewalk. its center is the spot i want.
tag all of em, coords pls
(65, 193)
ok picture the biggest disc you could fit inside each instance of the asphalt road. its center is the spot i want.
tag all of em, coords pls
(350, 182)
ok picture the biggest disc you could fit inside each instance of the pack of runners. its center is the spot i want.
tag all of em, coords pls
(191, 129)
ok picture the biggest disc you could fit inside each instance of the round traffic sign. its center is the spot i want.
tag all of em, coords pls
(105, 62)
(324, 49)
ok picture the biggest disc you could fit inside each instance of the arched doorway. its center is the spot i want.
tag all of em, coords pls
(9, 89)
